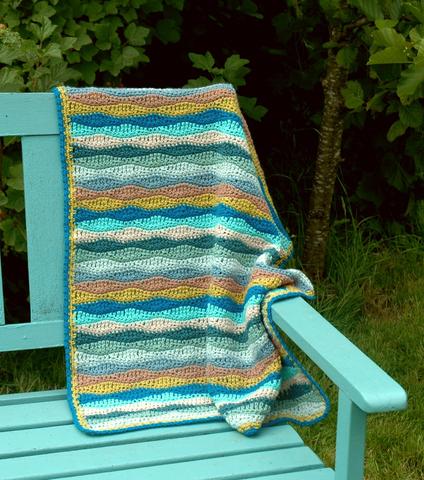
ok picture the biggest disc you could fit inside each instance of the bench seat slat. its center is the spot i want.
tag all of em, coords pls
(240, 467)
(321, 474)
(154, 453)
(34, 415)
(32, 397)
(137, 474)
(67, 437)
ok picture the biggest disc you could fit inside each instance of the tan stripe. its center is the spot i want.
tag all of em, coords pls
(177, 233)
(158, 283)
(179, 191)
(206, 138)
(192, 372)
(149, 100)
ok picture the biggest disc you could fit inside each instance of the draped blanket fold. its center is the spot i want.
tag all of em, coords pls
(174, 256)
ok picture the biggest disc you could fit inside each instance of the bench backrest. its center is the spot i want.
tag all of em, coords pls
(33, 117)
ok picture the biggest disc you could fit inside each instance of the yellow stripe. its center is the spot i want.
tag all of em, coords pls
(183, 108)
(161, 201)
(178, 293)
(167, 381)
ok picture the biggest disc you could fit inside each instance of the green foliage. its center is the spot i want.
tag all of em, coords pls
(46, 43)
(387, 36)
(12, 222)
(277, 54)
(234, 71)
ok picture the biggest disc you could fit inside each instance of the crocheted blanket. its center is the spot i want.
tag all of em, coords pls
(174, 256)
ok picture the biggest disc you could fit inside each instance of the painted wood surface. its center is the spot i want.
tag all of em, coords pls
(280, 447)
(25, 336)
(44, 207)
(2, 317)
(350, 441)
(37, 437)
(28, 114)
(364, 382)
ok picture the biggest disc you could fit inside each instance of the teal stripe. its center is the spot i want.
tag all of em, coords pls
(179, 314)
(238, 225)
(100, 162)
(182, 129)
(180, 252)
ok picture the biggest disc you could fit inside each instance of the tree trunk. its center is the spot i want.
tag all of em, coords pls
(328, 159)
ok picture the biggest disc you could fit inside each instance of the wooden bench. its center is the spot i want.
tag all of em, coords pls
(37, 437)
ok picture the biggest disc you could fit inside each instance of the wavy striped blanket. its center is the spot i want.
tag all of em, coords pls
(174, 256)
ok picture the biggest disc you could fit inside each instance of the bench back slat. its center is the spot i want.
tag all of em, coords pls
(33, 117)
(2, 319)
(44, 207)
(28, 114)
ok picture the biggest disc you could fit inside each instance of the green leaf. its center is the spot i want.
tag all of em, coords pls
(371, 8)
(353, 94)
(410, 80)
(198, 82)
(130, 56)
(388, 37)
(396, 130)
(53, 50)
(7, 226)
(329, 6)
(415, 9)
(388, 55)
(395, 175)
(380, 24)
(167, 30)
(10, 80)
(88, 71)
(42, 9)
(3, 198)
(411, 115)
(82, 38)
(235, 70)
(376, 103)
(202, 62)
(346, 56)
(136, 35)
(15, 199)
(94, 11)
(394, 8)
(129, 14)
(44, 30)
(66, 43)
(178, 4)
(251, 109)
(151, 6)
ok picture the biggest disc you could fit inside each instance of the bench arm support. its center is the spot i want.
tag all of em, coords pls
(357, 376)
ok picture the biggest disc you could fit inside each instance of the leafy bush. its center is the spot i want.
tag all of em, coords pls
(276, 59)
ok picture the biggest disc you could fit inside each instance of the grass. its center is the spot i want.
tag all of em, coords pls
(374, 295)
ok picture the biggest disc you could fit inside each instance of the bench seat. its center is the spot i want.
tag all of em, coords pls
(39, 441)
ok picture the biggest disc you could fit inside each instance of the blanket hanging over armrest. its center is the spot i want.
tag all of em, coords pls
(174, 256)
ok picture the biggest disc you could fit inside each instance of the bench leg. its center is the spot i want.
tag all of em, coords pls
(350, 441)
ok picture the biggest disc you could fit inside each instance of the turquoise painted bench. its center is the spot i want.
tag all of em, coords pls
(37, 437)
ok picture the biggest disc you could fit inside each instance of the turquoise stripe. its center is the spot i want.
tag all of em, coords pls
(180, 314)
(182, 129)
(238, 225)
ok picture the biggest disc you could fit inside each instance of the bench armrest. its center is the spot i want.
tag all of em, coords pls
(364, 382)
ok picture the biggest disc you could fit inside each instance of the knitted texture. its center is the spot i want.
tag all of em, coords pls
(174, 256)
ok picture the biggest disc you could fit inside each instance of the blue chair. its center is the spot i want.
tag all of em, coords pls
(37, 437)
